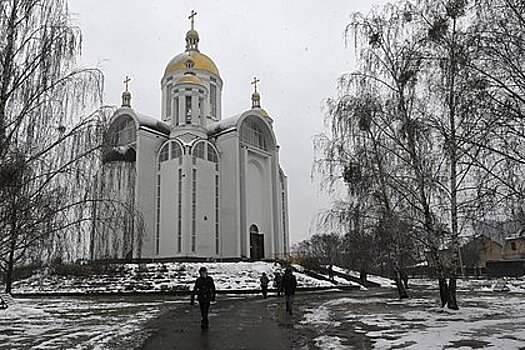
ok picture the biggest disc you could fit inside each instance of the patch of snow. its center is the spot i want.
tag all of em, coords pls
(382, 281)
(326, 342)
(423, 326)
(69, 323)
(320, 317)
(298, 267)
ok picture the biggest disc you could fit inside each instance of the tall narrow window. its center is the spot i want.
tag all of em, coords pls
(177, 111)
(198, 150)
(179, 213)
(283, 204)
(213, 100)
(157, 238)
(169, 100)
(193, 209)
(201, 110)
(176, 150)
(188, 110)
(164, 154)
(217, 238)
(212, 155)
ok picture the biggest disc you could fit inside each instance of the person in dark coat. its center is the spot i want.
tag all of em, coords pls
(277, 283)
(289, 284)
(205, 290)
(264, 284)
(331, 273)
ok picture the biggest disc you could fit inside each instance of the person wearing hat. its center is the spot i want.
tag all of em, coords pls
(205, 290)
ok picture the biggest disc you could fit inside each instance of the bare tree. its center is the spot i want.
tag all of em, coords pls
(48, 144)
(432, 121)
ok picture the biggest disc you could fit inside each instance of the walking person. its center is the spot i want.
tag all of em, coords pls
(277, 283)
(289, 284)
(264, 284)
(331, 273)
(205, 290)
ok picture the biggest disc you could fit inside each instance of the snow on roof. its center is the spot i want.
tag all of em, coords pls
(223, 125)
(152, 123)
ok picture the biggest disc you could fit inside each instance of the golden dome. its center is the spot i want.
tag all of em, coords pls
(189, 79)
(262, 112)
(192, 32)
(201, 61)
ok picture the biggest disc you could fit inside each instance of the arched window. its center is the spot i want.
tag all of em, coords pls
(198, 150)
(176, 150)
(254, 229)
(122, 131)
(212, 155)
(256, 135)
(164, 154)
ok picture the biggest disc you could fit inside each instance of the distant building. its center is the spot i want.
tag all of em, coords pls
(514, 247)
(512, 259)
(476, 252)
(204, 186)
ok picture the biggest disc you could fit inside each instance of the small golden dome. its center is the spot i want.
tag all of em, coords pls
(201, 61)
(262, 112)
(192, 33)
(190, 79)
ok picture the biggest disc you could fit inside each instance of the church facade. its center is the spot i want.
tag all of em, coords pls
(202, 185)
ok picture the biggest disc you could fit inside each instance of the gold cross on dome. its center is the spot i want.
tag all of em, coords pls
(126, 81)
(254, 83)
(192, 18)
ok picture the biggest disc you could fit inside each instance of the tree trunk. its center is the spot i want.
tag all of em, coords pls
(452, 302)
(362, 275)
(400, 286)
(453, 159)
(404, 278)
(443, 290)
(10, 265)
(6, 77)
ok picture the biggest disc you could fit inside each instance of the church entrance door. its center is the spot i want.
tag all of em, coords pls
(256, 243)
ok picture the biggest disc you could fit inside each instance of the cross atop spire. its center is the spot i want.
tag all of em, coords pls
(256, 97)
(192, 37)
(126, 81)
(192, 18)
(126, 95)
(254, 83)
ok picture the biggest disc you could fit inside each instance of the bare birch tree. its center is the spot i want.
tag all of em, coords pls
(48, 144)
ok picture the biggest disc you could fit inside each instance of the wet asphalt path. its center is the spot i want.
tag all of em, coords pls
(243, 323)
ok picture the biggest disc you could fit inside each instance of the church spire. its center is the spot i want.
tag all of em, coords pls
(256, 97)
(126, 95)
(192, 37)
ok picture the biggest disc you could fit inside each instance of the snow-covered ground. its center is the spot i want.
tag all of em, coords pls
(514, 285)
(155, 277)
(488, 321)
(361, 319)
(382, 281)
(70, 323)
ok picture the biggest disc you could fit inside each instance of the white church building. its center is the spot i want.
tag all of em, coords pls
(202, 185)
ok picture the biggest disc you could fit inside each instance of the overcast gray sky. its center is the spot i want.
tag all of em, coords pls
(295, 47)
